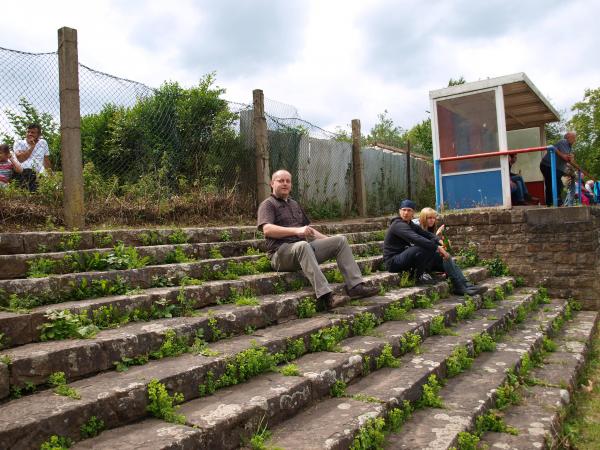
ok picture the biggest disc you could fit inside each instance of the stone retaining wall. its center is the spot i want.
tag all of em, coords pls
(562, 244)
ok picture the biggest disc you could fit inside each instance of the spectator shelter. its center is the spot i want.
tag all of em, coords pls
(487, 117)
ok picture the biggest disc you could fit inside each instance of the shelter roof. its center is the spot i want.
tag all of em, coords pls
(524, 105)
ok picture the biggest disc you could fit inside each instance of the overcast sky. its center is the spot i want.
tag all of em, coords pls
(334, 60)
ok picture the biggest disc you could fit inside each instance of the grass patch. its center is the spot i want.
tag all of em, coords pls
(338, 389)
(386, 358)
(290, 370)
(162, 405)
(364, 323)
(307, 307)
(59, 381)
(411, 341)
(56, 443)
(580, 429)
(430, 397)
(370, 436)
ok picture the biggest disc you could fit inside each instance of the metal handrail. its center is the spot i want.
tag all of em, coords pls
(550, 149)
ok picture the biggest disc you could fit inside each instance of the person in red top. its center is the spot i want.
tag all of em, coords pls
(9, 165)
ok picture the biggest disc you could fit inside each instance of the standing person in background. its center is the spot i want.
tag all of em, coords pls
(34, 155)
(564, 155)
(9, 165)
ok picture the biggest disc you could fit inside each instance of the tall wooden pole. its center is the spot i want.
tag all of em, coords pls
(70, 131)
(360, 196)
(261, 149)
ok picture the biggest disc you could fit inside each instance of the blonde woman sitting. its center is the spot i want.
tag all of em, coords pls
(428, 218)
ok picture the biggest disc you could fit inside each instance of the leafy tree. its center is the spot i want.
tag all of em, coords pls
(386, 132)
(586, 123)
(555, 131)
(459, 80)
(342, 135)
(420, 138)
(28, 115)
(167, 140)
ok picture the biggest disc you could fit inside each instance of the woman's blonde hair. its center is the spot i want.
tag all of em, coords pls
(424, 214)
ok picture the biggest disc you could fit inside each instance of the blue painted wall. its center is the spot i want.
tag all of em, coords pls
(472, 190)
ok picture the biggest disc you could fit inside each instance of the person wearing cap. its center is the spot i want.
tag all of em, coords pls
(292, 244)
(409, 248)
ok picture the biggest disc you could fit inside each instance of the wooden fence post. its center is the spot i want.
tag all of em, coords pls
(70, 131)
(408, 188)
(261, 149)
(360, 197)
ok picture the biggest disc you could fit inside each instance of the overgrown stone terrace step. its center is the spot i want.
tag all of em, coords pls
(144, 277)
(18, 265)
(41, 242)
(333, 423)
(222, 420)
(538, 417)
(33, 363)
(20, 328)
(119, 398)
(470, 394)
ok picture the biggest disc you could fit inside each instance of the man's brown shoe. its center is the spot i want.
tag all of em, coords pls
(361, 290)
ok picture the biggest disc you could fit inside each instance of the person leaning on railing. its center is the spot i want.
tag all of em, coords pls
(564, 155)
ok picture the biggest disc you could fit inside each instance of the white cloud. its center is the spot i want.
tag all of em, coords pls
(333, 60)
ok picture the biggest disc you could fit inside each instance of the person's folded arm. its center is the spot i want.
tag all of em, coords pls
(278, 232)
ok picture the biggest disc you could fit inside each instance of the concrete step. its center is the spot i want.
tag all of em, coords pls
(119, 398)
(538, 417)
(144, 277)
(384, 389)
(229, 417)
(49, 241)
(21, 328)
(472, 393)
(33, 363)
(17, 265)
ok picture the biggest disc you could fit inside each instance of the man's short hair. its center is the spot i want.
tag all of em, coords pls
(4, 148)
(570, 132)
(36, 126)
(280, 170)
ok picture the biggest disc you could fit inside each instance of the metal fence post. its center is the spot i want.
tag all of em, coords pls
(360, 197)
(261, 149)
(70, 131)
(578, 185)
(438, 185)
(553, 170)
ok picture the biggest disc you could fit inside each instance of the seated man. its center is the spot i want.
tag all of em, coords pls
(518, 189)
(408, 247)
(34, 155)
(292, 244)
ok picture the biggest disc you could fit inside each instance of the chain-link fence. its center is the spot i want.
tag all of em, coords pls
(158, 154)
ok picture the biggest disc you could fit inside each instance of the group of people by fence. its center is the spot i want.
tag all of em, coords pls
(29, 158)
(293, 244)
